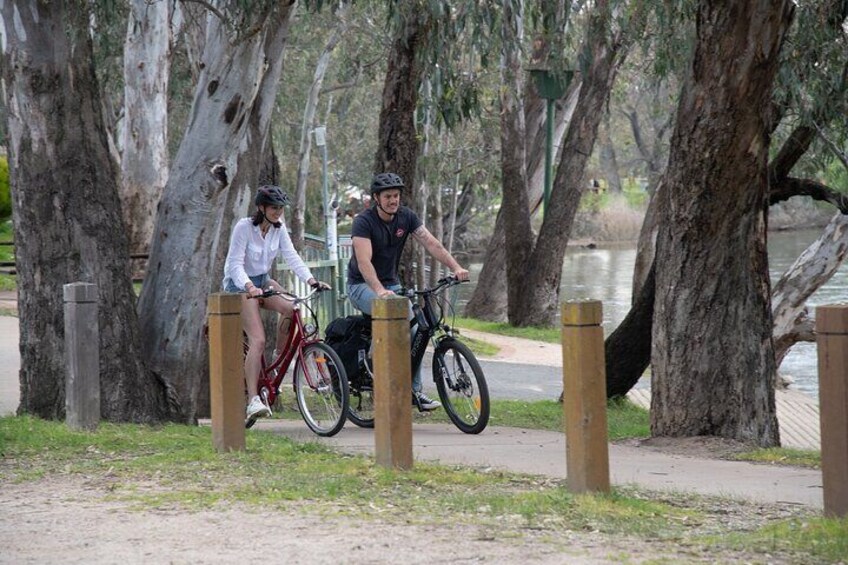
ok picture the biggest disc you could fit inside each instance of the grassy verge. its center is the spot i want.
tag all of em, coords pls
(550, 335)
(7, 253)
(175, 466)
(783, 456)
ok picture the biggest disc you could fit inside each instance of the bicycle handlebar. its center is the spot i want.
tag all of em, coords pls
(445, 282)
(289, 295)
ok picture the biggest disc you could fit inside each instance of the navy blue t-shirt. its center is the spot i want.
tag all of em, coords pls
(387, 241)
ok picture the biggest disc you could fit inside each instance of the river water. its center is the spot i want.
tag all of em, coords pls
(607, 275)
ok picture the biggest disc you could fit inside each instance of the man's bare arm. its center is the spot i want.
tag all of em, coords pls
(435, 248)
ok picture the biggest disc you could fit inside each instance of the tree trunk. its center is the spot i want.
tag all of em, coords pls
(713, 358)
(298, 218)
(540, 300)
(397, 139)
(515, 208)
(488, 301)
(214, 174)
(607, 158)
(813, 268)
(144, 162)
(627, 350)
(67, 214)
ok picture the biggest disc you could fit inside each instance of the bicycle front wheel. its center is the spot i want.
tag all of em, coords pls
(461, 385)
(321, 389)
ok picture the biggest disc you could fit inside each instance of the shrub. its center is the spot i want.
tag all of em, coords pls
(5, 193)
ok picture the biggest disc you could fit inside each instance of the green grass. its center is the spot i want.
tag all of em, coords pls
(625, 420)
(550, 335)
(824, 538)
(181, 463)
(175, 466)
(783, 456)
(7, 253)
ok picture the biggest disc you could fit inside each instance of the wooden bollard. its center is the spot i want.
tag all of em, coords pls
(226, 372)
(392, 383)
(584, 397)
(82, 356)
(832, 345)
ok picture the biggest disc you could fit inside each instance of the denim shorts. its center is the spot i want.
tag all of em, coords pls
(259, 281)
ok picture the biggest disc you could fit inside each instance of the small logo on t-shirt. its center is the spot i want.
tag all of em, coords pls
(399, 232)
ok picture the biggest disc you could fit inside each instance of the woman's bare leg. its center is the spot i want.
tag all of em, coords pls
(284, 308)
(252, 323)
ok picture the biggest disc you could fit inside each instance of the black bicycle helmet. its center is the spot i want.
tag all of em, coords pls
(385, 181)
(271, 195)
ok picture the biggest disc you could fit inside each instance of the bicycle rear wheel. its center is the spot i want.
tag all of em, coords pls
(361, 408)
(321, 389)
(461, 385)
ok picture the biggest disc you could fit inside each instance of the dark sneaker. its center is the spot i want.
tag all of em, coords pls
(424, 402)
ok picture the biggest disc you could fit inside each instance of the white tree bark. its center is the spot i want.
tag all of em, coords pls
(144, 162)
(217, 164)
(813, 268)
(298, 224)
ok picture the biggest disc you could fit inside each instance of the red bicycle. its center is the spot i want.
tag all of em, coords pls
(319, 381)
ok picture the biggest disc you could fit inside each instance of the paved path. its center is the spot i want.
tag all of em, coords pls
(10, 365)
(534, 451)
(543, 453)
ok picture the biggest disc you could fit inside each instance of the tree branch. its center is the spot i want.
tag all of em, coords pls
(788, 187)
(211, 8)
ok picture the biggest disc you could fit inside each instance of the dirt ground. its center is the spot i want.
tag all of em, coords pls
(72, 519)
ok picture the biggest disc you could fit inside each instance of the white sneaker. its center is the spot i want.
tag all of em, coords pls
(257, 409)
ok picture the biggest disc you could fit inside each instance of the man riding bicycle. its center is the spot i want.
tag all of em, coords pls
(379, 235)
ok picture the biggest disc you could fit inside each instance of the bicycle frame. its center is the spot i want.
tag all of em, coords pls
(429, 323)
(271, 376)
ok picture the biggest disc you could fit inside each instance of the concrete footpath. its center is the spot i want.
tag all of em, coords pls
(527, 451)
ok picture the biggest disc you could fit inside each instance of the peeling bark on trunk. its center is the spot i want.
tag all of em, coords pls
(213, 175)
(67, 215)
(713, 359)
(144, 162)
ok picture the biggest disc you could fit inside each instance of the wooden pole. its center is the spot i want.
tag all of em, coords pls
(392, 383)
(584, 397)
(82, 356)
(832, 345)
(226, 371)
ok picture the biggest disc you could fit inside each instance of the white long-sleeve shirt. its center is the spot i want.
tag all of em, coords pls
(251, 254)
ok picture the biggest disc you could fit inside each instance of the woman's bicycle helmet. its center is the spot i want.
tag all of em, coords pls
(385, 181)
(271, 195)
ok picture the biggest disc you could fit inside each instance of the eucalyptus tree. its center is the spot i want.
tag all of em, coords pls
(298, 217)
(808, 102)
(610, 30)
(144, 156)
(713, 367)
(67, 216)
(214, 172)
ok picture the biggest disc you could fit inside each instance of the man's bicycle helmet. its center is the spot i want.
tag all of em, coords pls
(271, 195)
(385, 181)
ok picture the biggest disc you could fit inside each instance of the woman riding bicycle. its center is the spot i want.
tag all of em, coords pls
(254, 244)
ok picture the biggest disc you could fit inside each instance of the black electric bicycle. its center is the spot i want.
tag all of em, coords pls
(459, 379)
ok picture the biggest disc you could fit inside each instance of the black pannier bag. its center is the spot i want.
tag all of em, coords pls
(350, 337)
